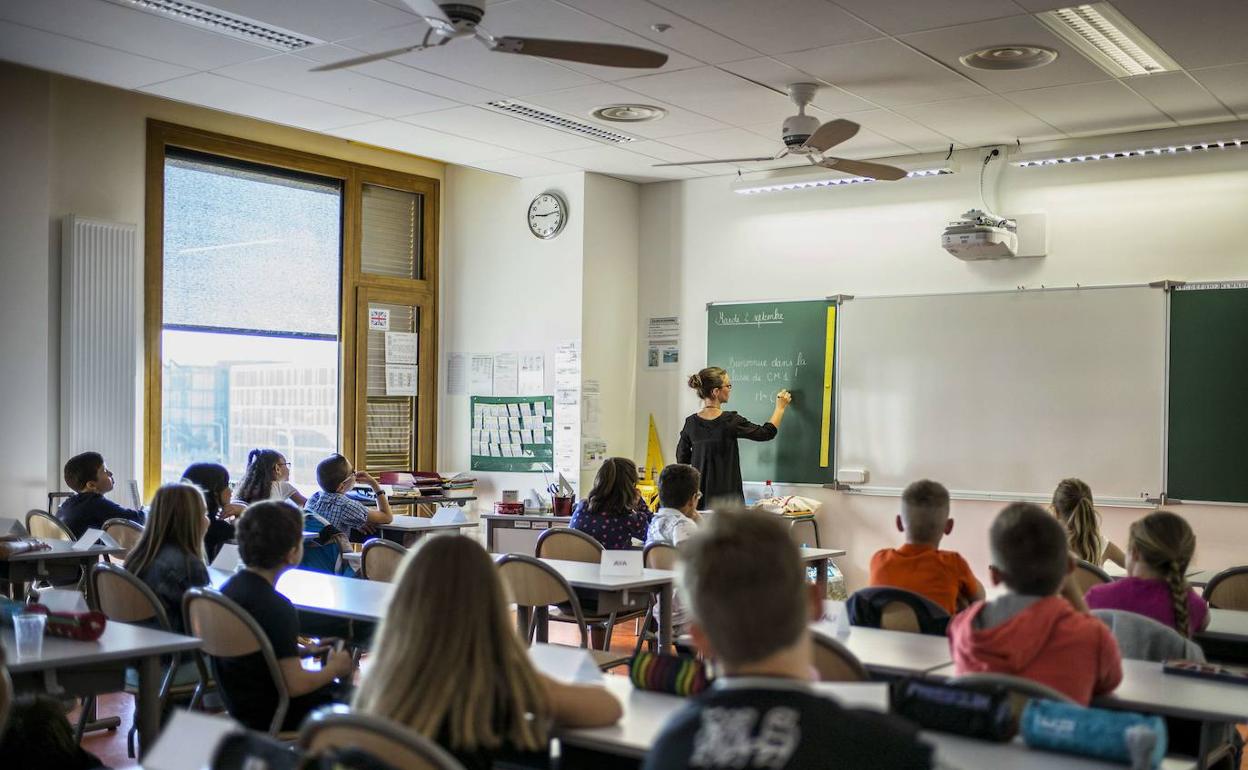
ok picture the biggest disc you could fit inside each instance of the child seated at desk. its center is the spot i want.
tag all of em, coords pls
(214, 481)
(1031, 631)
(448, 664)
(1159, 550)
(676, 521)
(611, 513)
(169, 556)
(270, 541)
(751, 609)
(88, 508)
(336, 477)
(919, 566)
(1072, 502)
(268, 478)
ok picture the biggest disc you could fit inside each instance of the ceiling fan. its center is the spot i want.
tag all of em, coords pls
(448, 21)
(803, 136)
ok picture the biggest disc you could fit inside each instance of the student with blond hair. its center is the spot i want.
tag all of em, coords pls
(1072, 502)
(169, 556)
(448, 664)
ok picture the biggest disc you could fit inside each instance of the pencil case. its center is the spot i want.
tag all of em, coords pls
(80, 626)
(985, 715)
(1117, 736)
(676, 674)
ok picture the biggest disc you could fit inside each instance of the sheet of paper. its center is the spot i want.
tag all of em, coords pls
(448, 514)
(663, 328)
(456, 374)
(506, 374)
(526, 409)
(401, 347)
(228, 558)
(91, 537)
(378, 319)
(662, 354)
(63, 600)
(625, 563)
(189, 741)
(481, 375)
(593, 452)
(532, 373)
(562, 663)
(591, 408)
(539, 409)
(401, 379)
(513, 410)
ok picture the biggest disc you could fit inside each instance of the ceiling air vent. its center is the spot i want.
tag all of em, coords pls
(224, 23)
(551, 120)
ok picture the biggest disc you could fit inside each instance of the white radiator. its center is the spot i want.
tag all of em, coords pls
(101, 348)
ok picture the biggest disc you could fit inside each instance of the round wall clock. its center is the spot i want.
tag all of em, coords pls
(548, 213)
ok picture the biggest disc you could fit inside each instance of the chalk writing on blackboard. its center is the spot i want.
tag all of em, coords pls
(746, 318)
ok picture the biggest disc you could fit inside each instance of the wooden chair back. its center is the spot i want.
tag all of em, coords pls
(1228, 590)
(380, 560)
(1088, 574)
(533, 583)
(337, 727)
(835, 663)
(44, 526)
(899, 616)
(805, 532)
(123, 598)
(660, 556)
(125, 532)
(569, 545)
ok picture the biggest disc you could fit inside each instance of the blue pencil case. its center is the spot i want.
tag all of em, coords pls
(1117, 736)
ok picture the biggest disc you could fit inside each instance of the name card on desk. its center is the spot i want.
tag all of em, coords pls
(228, 559)
(572, 665)
(62, 600)
(12, 527)
(189, 741)
(93, 536)
(621, 563)
(448, 514)
(835, 618)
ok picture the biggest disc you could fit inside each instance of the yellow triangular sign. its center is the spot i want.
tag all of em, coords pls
(654, 454)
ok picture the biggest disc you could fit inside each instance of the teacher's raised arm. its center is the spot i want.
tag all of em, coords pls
(708, 439)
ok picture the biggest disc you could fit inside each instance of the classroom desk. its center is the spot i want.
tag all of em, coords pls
(893, 653)
(506, 533)
(1227, 626)
(121, 645)
(37, 565)
(820, 557)
(324, 594)
(412, 528)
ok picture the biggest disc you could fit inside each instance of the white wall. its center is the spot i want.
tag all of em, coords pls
(28, 301)
(1109, 222)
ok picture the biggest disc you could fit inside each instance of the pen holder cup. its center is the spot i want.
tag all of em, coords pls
(562, 506)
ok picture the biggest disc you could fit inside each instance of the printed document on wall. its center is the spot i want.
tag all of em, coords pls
(401, 348)
(532, 373)
(506, 374)
(456, 374)
(481, 375)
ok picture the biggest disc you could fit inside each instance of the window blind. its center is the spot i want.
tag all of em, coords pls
(391, 224)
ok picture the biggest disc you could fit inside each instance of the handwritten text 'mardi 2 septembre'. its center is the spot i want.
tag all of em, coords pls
(739, 318)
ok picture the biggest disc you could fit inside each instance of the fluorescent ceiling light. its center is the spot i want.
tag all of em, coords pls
(1172, 149)
(1107, 38)
(224, 23)
(773, 184)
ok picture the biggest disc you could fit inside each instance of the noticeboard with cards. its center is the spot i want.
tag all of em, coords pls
(513, 433)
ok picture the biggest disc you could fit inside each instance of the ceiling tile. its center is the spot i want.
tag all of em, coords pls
(503, 130)
(66, 56)
(525, 166)
(1180, 97)
(1091, 108)
(948, 44)
(728, 143)
(1228, 84)
(981, 120)
(885, 72)
(777, 26)
(580, 101)
(400, 74)
(405, 137)
(1036, 6)
(685, 36)
(779, 75)
(622, 163)
(323, 19)
(902, 130)
(133, 31)
(209, 90)
(665, 152)
(1203, 34)
(864, 144)
(897, 17)
(290, 73)
(716, 94)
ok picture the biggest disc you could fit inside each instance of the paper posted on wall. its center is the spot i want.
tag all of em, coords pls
(401, 380)
(481, 375)
(401, 347)
(663, 342)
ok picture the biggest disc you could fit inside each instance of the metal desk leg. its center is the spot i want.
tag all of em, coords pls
(147, 703)
(543, 624)
(523, 617)
(665, 619)
(821, 577)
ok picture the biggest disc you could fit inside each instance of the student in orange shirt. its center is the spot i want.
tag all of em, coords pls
(919, 566)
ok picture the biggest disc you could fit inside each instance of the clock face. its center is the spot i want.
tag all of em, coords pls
(547, 215)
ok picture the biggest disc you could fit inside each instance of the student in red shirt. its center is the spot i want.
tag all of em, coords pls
(919, 566)
(1032, 631)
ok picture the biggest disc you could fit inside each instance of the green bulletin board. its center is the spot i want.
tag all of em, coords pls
(513, 433)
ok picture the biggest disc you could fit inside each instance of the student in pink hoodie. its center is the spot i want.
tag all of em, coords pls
(1039, 630)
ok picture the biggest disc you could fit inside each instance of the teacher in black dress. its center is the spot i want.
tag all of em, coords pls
(708, 440)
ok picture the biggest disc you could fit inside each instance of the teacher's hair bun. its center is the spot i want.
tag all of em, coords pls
(695, 381)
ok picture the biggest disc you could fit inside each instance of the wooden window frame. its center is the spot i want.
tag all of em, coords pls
(352, 350)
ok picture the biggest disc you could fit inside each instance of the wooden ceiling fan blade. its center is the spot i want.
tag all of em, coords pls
(365, 59)
(604, 54)
(831, 134)
(721, 160)
(865, 168)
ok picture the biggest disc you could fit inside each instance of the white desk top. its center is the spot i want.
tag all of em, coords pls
(63, 549)
(1145, 688)
(816, 554)
(326, 594)
(893, 652)
(1228, 625)
(586, 575)
(1196, 577)
(120, 641)
(404, 523)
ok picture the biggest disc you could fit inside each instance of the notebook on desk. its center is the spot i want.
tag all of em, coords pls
(1200, 670)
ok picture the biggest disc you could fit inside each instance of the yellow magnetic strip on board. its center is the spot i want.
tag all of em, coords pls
(828, 350)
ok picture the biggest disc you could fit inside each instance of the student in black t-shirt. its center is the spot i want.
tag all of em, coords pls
(750, 606)
(91, 479)
(270, 541)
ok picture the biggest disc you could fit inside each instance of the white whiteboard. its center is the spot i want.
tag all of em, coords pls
(1005, 393)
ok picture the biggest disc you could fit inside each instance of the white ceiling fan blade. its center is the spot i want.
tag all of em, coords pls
(866, 168)
(604, 54)
(365, 59)
(432, 13)
(722, 160)
(831, 134)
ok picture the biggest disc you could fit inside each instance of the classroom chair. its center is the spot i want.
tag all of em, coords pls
(123, 598)
(1021, 690)
(227, 631)
(835, 663)
(125, 532)
(1142, 638)
(1228, 590)
(535, 586)
(654, 556)
(336, 727)
(574, 545)
(805, 532)
(896, 609)
(380, 560)
(43, 525)
(1088, 574)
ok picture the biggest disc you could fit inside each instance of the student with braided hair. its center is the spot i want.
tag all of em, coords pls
(1072, 502)
(1159, 550)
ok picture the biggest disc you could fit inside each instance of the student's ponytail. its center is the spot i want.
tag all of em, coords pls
(1165, 542)
(1072, 501)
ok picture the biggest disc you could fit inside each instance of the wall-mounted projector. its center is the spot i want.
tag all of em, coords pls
(977, 235)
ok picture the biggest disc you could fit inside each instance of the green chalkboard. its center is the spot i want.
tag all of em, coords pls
(768, 346)
(1208, 437)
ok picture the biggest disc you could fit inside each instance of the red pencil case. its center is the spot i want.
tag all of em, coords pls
(81, 626)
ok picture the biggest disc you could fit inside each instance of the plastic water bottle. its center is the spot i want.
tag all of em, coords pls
(768, 491)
